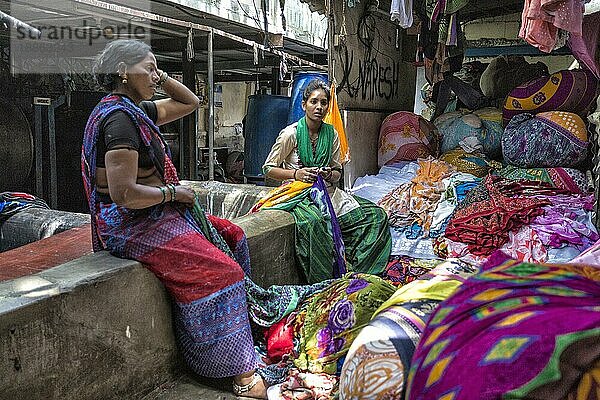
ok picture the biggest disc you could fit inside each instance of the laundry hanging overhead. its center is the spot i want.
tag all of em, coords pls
(401, 12)
(541, 21)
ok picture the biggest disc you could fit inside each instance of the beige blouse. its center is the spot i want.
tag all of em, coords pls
(284, 154)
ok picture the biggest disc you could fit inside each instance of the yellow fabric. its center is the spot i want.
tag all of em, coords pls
(416, 201)
(472, 163)
(489, 114)
(437, 288)
(534, 102)
(568, 121)
(281, 194)
(334, 118)
(589, 384)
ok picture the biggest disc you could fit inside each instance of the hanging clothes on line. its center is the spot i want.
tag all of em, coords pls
(401, 12)
(584, 47)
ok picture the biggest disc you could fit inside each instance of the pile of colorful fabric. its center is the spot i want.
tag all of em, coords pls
(379, 359)
(508, 193)
(309, 330)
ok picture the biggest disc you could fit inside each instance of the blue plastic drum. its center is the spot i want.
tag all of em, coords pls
(266, 117)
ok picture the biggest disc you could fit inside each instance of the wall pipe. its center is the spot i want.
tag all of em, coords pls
(18, 24)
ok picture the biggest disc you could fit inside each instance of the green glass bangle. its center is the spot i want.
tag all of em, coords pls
(171, 191)
(164, 193)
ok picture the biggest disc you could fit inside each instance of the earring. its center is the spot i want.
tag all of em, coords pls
(124, 81)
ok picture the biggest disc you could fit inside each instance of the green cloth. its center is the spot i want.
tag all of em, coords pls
(365, 232)
(326, 323)
(451, 6)
(324, 147)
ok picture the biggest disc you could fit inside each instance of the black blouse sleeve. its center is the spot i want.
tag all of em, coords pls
(120, 131)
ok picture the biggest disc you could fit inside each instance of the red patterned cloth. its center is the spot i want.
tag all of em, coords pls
(488, 213)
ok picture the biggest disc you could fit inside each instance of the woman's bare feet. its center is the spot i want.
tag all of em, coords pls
(250, 384)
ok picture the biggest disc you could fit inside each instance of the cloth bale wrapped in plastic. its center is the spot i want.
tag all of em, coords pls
(405, 136)
(470, 132)
(549, 139)
(573, 91)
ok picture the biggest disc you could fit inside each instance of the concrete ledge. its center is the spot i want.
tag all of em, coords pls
(271, 236)
(99, 327)
(80, 337)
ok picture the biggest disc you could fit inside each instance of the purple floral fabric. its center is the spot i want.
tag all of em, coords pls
(551, 139)
(327, 323)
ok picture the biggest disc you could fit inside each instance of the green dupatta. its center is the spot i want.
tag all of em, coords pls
(323, 151)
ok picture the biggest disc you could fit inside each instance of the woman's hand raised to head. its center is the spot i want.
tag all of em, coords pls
(182, 100)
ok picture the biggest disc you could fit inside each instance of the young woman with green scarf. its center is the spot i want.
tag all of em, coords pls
(335, 231)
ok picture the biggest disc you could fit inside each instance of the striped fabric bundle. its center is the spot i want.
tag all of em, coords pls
(14, 202)
(573, 91)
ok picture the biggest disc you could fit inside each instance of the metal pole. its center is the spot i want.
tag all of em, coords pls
(263, 5)
(211, 109)
(330, 40)
(52, 153)
(196, 116)
(39, 184)
(52, 150)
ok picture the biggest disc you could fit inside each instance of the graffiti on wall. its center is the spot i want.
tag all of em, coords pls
(369, 67)
(369, 78)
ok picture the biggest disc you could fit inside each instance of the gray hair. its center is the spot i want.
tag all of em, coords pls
(127, 51)
(313, 85)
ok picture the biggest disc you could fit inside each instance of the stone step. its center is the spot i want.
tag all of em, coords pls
(188, 388)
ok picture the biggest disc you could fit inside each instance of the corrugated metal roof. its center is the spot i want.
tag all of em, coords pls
(234, 56)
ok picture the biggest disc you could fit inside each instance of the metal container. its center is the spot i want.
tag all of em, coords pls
(301, 80)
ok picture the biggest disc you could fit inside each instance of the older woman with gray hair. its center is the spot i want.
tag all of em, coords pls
(140, 211)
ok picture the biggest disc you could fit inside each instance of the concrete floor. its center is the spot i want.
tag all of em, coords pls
(187, 388)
